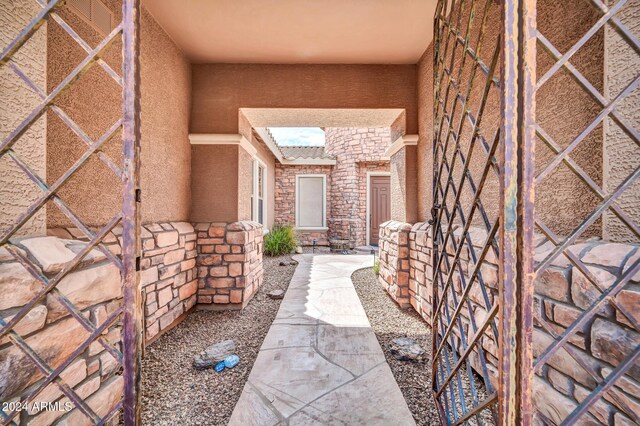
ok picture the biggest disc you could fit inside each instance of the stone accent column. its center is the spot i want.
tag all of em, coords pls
(168, 274)
(229, 263)
(394, 261)
(352, 147)
(420, 269)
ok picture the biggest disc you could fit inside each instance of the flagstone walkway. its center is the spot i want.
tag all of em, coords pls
(320, 363)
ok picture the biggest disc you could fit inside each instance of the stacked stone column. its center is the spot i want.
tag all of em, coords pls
(229, 263)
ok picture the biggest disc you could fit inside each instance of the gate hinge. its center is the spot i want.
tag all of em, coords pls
(434, 213)
(138, 195)
(137, 263)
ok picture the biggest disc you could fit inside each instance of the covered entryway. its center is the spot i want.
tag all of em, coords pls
(379, 204)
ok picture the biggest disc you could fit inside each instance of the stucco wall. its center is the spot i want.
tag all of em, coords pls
(214, 183)
(16, 102)
(562, 200)
(94, 103)
(220, 89)
(621, 154)
(424, 153)
(404, 185)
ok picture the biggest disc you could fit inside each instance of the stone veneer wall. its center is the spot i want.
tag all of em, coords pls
(227, 256)
(167, 271)
(94, 288)
(229, 263)
(357, 151)
(394, 261)
(168, 275)
(352, 148)
(561, 295)
(285, 199)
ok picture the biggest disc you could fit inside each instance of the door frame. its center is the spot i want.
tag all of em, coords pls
(368, 214)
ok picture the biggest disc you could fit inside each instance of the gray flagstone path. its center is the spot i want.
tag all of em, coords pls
(320, 362)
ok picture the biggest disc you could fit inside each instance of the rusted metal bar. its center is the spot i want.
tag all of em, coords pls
(78, 72)
(584, 176)
(589, 313)
(28, 31)
(590, 89)
(69, 266)
(516, 212)
(47, 371)
(599, 118)
(583, 40)
(609, 381)
(67, 120)
(53, 375)
(588, 221)
(52, 190)
(132, 316)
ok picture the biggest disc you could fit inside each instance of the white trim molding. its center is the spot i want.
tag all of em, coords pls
(401, 142)
(368, 214)
(257, 164)
(222, 139)
(324, 203)
(310, 162)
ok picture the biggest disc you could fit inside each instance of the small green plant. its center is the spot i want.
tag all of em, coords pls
(280, 240)
(376, 267)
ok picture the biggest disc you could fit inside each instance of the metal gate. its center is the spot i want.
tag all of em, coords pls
(486, 91)
(127, 217)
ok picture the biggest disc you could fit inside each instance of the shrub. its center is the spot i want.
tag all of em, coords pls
(376, 267)
(280, 240)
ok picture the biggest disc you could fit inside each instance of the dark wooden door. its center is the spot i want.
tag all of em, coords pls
(380, 206)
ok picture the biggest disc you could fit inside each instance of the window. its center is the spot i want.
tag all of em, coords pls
(258, 193)
(311, 200)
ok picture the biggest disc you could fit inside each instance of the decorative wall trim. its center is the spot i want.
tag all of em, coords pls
(222, 139)
(401, 142)
(309, 162)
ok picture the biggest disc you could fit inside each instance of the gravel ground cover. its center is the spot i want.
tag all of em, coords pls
(174, 393)
(388, 322)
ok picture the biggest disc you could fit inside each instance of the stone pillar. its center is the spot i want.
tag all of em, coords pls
(229, 264)
(393, 264)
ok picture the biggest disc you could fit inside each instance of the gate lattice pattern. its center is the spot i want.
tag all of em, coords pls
(127, 174)
(483, 198)
(466, 175)
(613, 21)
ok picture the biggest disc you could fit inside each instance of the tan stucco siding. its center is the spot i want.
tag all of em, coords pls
(94, 103)
(621, 154)
(219, 90)
(561, 199)
(17, 192)
(214, 183)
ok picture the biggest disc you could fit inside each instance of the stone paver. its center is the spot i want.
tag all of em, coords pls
(321, 363)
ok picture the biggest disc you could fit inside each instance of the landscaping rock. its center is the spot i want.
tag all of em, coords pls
(214, 354)
(299, 250)
(406, 349)
(276, 294)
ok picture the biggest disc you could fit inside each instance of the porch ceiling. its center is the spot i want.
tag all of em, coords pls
(298, 31)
